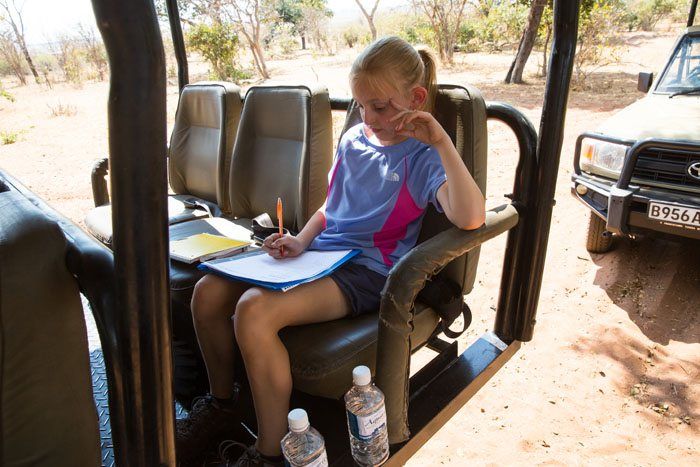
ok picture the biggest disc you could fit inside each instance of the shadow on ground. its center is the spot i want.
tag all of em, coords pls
(657, 380)
(601, 91)
(657, 282)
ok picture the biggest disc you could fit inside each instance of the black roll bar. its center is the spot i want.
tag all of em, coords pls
(137, 148)
(526, 249)
(183, 77)
(691, 13)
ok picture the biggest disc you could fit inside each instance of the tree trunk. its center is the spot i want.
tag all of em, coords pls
(23, 47)
(543, 71)
(303, 42)
(28, 58)
(261, 58)
(527, 40)
(369, 16)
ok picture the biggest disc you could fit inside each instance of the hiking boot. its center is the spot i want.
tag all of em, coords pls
(250, 457)
(207, 423)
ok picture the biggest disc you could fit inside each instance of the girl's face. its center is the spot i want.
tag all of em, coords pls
(376, 110)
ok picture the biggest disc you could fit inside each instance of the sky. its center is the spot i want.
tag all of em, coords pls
(44, 20)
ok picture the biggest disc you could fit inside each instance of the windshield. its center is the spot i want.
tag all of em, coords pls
(683, 70)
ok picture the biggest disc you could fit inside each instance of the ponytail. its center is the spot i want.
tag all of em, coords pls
(429, 77)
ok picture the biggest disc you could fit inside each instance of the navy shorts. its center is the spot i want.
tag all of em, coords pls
(361, 286)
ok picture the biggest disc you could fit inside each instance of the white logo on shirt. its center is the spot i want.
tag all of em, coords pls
(392, 177)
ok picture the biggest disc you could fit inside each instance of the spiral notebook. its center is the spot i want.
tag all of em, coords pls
(259, 268)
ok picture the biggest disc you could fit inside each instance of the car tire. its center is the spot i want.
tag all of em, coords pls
(598, 240)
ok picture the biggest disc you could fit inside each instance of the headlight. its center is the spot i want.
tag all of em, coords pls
(599, 154)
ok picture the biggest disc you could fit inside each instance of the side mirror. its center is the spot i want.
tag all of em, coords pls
(644, 81)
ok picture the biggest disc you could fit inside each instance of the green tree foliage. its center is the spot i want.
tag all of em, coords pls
(645, 14)
(218, 44)
(304, 16)
(598, 22)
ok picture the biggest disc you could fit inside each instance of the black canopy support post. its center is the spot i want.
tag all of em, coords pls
(527, 242)
(183, 76)
(137, 148)
(691, 13)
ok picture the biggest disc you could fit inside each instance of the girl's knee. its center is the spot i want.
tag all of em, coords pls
(251, 321)
(211, 298)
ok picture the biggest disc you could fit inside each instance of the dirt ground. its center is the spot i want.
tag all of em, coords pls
(612, 374)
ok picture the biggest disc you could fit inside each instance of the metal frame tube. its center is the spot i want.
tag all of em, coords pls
(137, 147)
(183, 77)
(523, 264)
(691, 13)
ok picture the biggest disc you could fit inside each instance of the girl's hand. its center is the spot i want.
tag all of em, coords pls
(419, 125)
(292, 246)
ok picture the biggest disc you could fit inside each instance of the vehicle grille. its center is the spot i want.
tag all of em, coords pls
(657, 166)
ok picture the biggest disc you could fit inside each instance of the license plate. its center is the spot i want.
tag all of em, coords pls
(674, 213)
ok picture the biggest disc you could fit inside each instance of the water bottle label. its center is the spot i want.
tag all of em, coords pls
(320, 461)
(367, 427)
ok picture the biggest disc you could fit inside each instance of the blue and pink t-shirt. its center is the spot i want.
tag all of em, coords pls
(377, 196)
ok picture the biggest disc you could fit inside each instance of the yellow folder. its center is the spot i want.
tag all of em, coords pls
(205, 246)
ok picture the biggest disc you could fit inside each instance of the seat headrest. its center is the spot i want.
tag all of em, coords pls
(283, 149)
(202, 140)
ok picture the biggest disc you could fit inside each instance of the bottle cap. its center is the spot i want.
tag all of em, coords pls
(298, 420)
(361, 376)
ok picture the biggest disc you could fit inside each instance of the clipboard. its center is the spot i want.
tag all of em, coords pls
(259, 268)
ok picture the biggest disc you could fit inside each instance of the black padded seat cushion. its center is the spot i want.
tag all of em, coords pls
(323, 355)
(47, 412)
(99, 220)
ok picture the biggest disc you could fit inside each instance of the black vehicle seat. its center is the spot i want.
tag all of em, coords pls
(283, 149)
(47, 412)
(323, 355)
(199, 156)
(285, 154)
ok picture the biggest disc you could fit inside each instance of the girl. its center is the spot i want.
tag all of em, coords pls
(385, 173)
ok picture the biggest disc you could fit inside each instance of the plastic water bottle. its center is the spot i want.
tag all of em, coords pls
(303, 446)
(364, 404)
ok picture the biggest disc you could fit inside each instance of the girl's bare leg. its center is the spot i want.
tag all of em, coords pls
(260, 314)
(213, 303)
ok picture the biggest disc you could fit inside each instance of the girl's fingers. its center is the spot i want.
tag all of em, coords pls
(397, 106)
(271, 238)
(401, 114)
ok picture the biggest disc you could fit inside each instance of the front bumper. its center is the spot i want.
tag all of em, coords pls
(624, 207)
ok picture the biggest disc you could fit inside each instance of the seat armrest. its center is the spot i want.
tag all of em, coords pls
(405, 280)
(100, 194)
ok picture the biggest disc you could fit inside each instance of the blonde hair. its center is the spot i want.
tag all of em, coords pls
(391, 62)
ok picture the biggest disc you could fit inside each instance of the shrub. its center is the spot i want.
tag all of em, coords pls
(351, 35)
(70, 60)
(500, 29)
(645, 14)
(61, 110)
(219, 45)
(5, 94)
(415, 29)
(595, 46)
(282, 39)
(9, 137)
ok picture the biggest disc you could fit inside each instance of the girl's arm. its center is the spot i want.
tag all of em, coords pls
(460, 196)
